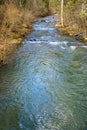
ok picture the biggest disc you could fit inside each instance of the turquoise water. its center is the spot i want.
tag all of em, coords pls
(45, 85)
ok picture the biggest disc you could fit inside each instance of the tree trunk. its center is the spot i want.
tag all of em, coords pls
(62, 2)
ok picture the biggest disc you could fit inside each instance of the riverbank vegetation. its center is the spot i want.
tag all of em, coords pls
(73, 18)
(16, 17)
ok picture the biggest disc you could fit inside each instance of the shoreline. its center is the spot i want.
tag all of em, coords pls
(9, 47)
(70, 32)
(13, 41)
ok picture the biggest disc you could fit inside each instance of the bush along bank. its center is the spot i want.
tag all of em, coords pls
(74, 19)
(15, 23)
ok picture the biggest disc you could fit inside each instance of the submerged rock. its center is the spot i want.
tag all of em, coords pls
(79, 36)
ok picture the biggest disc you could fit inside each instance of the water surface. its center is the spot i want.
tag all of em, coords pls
(45, 85)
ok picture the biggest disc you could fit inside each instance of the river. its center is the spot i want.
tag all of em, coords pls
(44, 87)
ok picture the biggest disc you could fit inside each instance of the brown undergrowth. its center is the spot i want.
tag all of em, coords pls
(15, 23)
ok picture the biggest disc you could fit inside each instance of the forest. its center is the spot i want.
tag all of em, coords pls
(17, 16)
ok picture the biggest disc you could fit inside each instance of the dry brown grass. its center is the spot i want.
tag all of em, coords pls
(15, 22)
(41, 11)
(6, 53)
(12, 14)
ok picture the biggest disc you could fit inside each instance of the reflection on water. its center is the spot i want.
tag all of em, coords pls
(45, 86)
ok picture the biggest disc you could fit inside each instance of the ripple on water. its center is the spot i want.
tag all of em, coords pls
(45, 86)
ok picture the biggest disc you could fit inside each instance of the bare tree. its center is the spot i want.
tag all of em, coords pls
(62, 3)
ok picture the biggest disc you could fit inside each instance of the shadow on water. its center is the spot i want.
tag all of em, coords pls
(45, 86)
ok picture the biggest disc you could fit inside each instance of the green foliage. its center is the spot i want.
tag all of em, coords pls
(56, 2)
(82, 14)
(47, 3)
(22, 2)
(71, 2)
